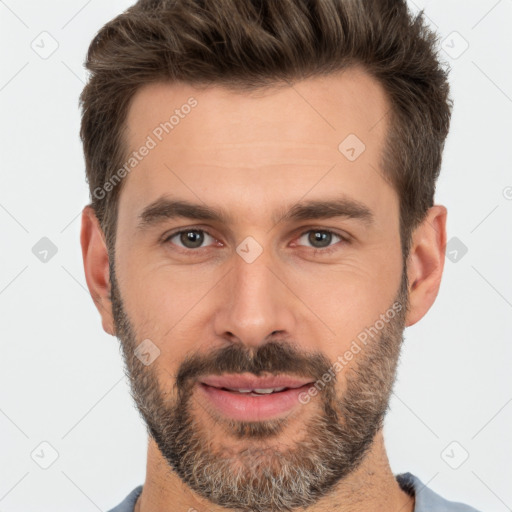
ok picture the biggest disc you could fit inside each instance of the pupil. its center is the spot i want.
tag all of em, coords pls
(320, 236)
(192, 239)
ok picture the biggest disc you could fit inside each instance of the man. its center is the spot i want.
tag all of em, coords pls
(261, 231)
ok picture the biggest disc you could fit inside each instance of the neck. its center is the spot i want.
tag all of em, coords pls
(372, 486)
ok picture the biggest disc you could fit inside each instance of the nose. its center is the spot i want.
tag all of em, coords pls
(254, 303)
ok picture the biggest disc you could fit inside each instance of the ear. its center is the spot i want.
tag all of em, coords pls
(97, 275)
(425, 263)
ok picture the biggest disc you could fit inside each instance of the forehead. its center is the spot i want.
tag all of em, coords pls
(243, 148)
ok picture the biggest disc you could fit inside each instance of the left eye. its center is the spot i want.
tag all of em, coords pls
(322, 237)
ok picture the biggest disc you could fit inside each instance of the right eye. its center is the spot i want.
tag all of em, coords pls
(189, 238)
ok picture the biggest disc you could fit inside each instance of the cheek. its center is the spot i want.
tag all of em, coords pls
(164, 301)
(177, 302)
(351, 296)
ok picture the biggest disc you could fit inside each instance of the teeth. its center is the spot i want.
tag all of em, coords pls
(268, 390)
(261, 391)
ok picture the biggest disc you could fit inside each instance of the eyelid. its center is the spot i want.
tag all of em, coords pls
(344, 240)
(344, 236)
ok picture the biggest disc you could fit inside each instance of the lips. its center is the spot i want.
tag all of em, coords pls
(250, 398)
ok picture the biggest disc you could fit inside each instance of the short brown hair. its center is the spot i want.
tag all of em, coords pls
(252, 44)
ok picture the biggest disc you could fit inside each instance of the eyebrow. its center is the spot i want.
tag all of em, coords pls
(167, 209)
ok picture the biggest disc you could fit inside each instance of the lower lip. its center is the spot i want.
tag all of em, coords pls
(244, 407)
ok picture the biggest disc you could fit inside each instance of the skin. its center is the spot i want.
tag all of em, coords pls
(254, 155)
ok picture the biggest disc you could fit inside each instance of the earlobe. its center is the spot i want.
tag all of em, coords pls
(96, 266)
(426, 262)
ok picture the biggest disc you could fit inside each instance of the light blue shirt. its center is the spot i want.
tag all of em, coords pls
(426, 499)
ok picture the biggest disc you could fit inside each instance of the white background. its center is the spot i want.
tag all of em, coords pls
(61, 376)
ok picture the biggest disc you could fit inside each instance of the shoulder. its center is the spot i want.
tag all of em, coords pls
(128, 504)
(426, 499)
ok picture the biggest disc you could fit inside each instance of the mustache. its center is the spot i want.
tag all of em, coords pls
(273, 358)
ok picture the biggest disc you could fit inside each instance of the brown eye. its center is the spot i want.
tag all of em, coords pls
(189, 238)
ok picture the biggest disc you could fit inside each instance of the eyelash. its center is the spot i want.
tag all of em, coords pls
(327, 250)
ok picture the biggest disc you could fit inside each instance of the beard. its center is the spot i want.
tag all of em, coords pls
(258, 469)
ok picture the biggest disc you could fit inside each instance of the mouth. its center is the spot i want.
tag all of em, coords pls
(249, 398)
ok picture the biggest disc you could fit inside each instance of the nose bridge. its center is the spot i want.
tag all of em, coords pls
(254, 301)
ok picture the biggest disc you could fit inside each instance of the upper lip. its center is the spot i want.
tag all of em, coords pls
(252, 382)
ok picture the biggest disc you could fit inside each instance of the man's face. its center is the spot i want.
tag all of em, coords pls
(260, 293)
